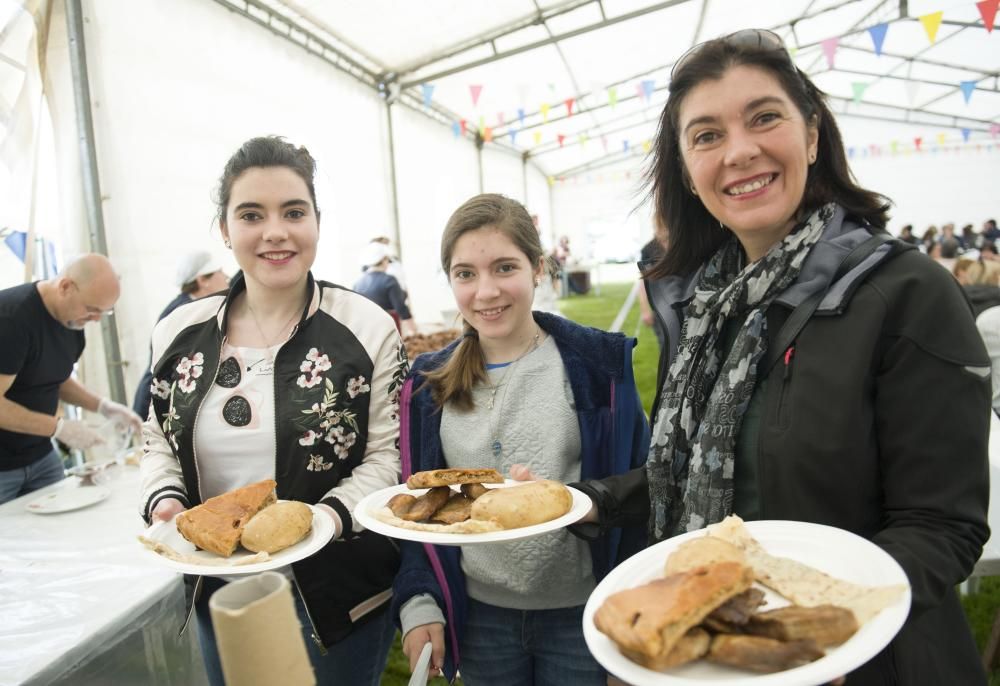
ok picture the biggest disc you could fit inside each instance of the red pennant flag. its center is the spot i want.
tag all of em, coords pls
(474, 91)
(917, 142)
(988, 11)
(561, 139)
(569, 106)
(500, 119)
(463, 124)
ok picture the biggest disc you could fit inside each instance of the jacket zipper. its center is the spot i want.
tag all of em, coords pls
(312, 624)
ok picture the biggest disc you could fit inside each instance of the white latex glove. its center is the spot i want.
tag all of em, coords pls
(120, 414)
(76, 434)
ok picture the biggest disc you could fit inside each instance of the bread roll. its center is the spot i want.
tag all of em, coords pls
(705, 550)
(276, 527)
(517, 506)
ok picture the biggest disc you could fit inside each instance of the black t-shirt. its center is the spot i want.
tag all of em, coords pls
(41, 352)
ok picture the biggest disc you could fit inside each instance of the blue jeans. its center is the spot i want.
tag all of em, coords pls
(358, 660)
(39, 474)
(526, 647)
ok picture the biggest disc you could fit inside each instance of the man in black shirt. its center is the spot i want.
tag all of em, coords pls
(41, 338)
(651, 253)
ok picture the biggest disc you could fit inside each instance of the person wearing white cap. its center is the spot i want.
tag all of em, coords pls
(199, 273)
(383, 288)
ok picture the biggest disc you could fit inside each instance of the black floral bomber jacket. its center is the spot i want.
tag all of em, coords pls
(337, 382)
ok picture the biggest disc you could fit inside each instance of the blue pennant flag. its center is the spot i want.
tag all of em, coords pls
(878, 36)
(456, 129)
(967, 88)
(520, 116)
(428, 91)
(17, 241)
(965, 134)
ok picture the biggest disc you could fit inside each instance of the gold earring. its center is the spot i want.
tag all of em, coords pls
(228, 244)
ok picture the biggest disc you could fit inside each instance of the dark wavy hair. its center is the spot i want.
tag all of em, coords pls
(694, 233)
(265, 151)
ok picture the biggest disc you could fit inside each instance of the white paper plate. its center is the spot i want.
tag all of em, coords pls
(364, 513)
(834, 551)
(71, 497)
(166, 532)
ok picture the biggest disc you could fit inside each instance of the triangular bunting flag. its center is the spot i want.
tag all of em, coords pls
(464, 124)
(994, 130)
(520, 115)
(513, 136)
(648, 86)
(878, 37)
(561, 138)
(912, 87)
(545, 111)
(967, 88)
(859, 90)
(893, 145)
(917, 142)
(475, 91)
(647, 146)
(639, 93)
(583, 139)
(482, 125)
(932, 22)
(500, 119)
(624, 146)
(428, 92)
(941, 138)
(965, 135)
(850, 153)
(456, 129)
(569, 106)
(487, 134)
(830, 49)
(604, 143)
(538, 137)
(612, 97)
(988, 11)
(551, 180)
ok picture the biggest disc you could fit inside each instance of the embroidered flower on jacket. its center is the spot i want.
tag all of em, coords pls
(189, 369)
(356, 386)
(309, 437)
(161, 389)
(317, 464)
(313, 367)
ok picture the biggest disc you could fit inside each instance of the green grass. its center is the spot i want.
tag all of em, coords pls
(600, 311)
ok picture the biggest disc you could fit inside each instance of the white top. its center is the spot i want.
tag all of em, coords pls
(988, 324)
(234, 431)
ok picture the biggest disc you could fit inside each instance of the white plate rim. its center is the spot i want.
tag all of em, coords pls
(99, 494)
(319, 536)
(864, 645)
(362, 512)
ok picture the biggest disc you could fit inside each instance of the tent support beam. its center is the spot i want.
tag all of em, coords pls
(542, 43)
(396, 238)
(92, 184)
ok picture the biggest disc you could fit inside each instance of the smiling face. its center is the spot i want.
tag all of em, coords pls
(494, 285)
(747, 150)
(272, 226)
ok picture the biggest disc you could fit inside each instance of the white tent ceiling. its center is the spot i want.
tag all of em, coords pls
(533, 55)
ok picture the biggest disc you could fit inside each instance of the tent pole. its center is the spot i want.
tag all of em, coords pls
(91, 183)
(479, 159)
(392, 178)
(524, 177)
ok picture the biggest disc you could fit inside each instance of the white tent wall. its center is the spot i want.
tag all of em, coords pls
(435, 173)
(166, 121)
(539, 201)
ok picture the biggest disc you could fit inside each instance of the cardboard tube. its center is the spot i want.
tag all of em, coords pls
(258, 633)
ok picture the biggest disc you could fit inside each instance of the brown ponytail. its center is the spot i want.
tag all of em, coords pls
(453, 382)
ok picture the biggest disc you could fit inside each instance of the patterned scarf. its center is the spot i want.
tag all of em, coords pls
(691, 456)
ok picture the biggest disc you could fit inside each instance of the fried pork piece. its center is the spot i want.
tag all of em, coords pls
(457, 509)
(401, 503)
(760, 654)
(426, 505)
(473, 491)
(691, 646)
(826, 625)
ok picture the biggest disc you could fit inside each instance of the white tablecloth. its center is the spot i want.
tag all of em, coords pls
(82, 602)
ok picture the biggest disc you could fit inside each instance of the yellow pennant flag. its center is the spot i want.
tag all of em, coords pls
(538, 137)
(647, 146)
(552, 180)
(940, 138)
(932, 22)
(545, 111)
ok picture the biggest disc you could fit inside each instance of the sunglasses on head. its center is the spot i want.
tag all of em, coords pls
(760, 39)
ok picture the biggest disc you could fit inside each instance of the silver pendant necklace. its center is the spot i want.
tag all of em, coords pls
(267, 343)
(505, 381)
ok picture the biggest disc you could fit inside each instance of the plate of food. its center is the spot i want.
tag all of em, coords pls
(70, 497)
(470, 506)
(766, 603)
(244, 531)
